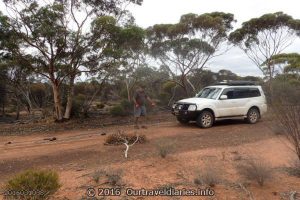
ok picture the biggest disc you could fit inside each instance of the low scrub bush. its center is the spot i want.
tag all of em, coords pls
(165, 147)
(33, 184)
(112, 178)
(117, 110)
(97, 176)
(118, 139)
(127, 106)
(77, 105)
(255, 170)
(124, 108)
(285, 115)
(294, 170)
(208, 176)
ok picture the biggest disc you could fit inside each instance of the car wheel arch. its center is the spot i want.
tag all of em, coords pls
(209, 110)
(255, 107)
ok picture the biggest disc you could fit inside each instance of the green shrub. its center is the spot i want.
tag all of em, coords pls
(40, 183)
(126, 105)
(164, 98)
(77, 105)
(124, 108)
(117, 110)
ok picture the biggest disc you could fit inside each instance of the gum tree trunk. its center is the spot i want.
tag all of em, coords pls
(57, 102)
(69, 105)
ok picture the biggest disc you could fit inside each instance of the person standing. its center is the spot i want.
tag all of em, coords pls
(140, 97)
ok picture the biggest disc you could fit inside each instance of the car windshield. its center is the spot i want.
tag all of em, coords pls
(209, 93)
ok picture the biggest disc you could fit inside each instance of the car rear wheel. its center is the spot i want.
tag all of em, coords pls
(253, 116)
(205, 119)
(182, 120)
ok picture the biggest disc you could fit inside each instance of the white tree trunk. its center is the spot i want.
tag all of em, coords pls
(57, 102)
(69, 105)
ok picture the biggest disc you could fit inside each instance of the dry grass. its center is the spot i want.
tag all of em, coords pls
(165, 147)
(294, 170)
(208, 176)
(284, 112)
(112, 178)
(255, 170)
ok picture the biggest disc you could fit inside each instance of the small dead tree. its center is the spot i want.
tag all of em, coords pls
(127, 142)
(287, 117)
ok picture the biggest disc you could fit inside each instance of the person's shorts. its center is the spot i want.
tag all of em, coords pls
(140, 111)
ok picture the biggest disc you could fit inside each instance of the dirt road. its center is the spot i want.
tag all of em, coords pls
(76, 155)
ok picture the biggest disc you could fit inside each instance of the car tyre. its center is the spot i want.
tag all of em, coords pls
(253, 116)
(205, 119)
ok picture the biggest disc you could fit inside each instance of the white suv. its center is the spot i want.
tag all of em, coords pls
(222, 101)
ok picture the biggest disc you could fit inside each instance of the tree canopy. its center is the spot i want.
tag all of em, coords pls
(264, 37)
(189, 44)
(52, 40)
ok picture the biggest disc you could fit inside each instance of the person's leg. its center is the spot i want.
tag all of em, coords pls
(137, 114)
(136, 122)
(144, 115)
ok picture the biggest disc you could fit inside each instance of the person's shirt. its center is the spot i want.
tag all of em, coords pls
(140, 98)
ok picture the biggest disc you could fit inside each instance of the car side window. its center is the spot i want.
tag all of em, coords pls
(254, 92)
(240, 93)
(228, 92)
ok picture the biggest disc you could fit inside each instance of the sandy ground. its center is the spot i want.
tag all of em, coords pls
(78, 155)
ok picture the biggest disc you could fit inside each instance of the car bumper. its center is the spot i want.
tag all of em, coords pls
(185, 114)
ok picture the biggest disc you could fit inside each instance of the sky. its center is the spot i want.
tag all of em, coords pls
(169, 11)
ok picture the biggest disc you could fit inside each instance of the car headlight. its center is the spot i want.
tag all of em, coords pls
(192, 108)
(174, 105)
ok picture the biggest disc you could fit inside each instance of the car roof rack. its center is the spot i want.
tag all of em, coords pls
(236, 83)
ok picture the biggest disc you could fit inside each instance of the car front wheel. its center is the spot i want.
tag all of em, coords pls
(205, 119)
(253, 116)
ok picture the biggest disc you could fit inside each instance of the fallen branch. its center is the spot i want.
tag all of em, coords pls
(126, 143)
(293, 194)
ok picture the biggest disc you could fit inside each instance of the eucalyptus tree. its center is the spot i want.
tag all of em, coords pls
(60, 40)
(3, 89)
(289, 66)
(131, 45)
(264, 37)
(290, 62)
(189, 44)
(4, 36)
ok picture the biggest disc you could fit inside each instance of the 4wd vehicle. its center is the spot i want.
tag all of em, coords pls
(229, 100)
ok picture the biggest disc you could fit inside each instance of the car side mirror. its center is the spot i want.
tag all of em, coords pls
(224, 97)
